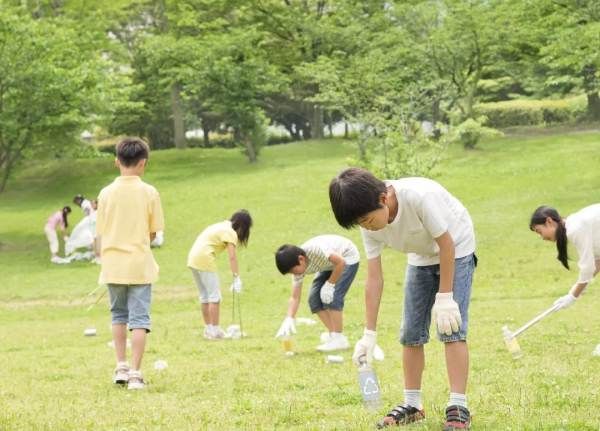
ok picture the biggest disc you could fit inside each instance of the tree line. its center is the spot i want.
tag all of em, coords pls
(156, 68)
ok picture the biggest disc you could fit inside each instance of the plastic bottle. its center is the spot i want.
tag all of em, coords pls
(369, 386)
(288, 345)
(511, 343)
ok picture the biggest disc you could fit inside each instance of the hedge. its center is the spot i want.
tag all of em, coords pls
(531, 112)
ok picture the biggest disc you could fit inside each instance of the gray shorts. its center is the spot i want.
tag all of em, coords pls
(420, 287)
(208, 286)
(130, 304)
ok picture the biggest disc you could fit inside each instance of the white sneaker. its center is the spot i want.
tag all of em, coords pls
(338, 342)
(121, 375)
(135, 380)
(58, 260)
(207, 333)
(325, 336)
(218, 333)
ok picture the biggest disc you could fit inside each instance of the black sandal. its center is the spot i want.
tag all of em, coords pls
(401, 415)
(457, 418)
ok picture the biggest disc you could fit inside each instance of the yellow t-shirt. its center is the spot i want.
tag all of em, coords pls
(212, 241)
(128, 211)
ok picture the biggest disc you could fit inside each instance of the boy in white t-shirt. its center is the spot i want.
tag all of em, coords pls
(335, 260)
(419, 217)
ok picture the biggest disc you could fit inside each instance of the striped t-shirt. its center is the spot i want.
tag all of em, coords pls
(318, 250)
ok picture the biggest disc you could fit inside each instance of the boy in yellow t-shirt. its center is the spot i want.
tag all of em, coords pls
(129, 215)
(202, 261)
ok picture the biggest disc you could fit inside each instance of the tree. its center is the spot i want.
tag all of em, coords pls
(571, 50)
(48, 86)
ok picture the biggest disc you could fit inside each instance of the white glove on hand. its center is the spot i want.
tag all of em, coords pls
(236, 285)
(363, 350)
(327, 292)
(564, 301)
(446, 313)
(287, 328)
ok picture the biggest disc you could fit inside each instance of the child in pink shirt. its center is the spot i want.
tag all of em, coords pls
(58, 220)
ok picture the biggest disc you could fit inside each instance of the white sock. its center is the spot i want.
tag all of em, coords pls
(457, 400)
(122, 364)
(335, 334)
(412, 397)
(209, 327)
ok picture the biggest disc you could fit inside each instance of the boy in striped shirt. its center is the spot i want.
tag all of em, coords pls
(334, 259)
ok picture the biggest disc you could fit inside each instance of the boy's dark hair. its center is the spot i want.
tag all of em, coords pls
(241, 222)
(65, 211)
(354, 193)
(131, 150)
(78, 199)
(286, 257)
(539, 216)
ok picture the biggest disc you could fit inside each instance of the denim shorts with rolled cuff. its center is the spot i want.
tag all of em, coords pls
(420, 287)
(207, 283)
(130, 304)
(341, 288)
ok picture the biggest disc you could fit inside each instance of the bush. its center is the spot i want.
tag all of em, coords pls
(471, 131)
(531, 112)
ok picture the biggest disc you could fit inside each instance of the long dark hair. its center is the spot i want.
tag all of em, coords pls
(65, 211)
(241, 222)
(539, 216)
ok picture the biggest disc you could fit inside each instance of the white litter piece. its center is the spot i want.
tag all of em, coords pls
(89, 332)
(378, 354)
(596, 351)
(306, 321)
(334, 359)
(234, 332)
(160, 365)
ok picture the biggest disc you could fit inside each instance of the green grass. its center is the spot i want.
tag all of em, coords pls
(52, 377)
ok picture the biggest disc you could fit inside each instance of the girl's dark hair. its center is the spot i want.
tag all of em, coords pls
(539, 216)
(353, 194)
(241, 222)
(65, 211)
(286, 257)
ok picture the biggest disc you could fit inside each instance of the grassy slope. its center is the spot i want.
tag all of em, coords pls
(54, 378)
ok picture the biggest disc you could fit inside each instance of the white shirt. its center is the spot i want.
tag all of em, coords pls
(320, 248)
(426, 210)
(86, 207)
(583, 231)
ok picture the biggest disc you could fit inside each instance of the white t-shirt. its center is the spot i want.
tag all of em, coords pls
(425, 211)
(318, 250)
(86, 207)
(583, 231)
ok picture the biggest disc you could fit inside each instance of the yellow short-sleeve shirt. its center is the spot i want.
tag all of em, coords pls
(212, 241)
(128, 211)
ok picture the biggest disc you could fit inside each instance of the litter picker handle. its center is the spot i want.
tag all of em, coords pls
(535, 320)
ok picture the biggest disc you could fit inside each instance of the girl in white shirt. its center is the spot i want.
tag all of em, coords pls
(582, 230)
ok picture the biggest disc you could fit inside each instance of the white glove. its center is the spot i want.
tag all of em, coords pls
(327, 292)
(236, 285)
(446, 313)
(564, 301)
(363, 350)
(287, 328)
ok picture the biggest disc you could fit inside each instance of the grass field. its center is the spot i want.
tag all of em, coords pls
(54, 378)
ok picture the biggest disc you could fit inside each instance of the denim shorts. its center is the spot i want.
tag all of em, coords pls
(130, 303)
(207, 283)
(341, 288)
(420, 287)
